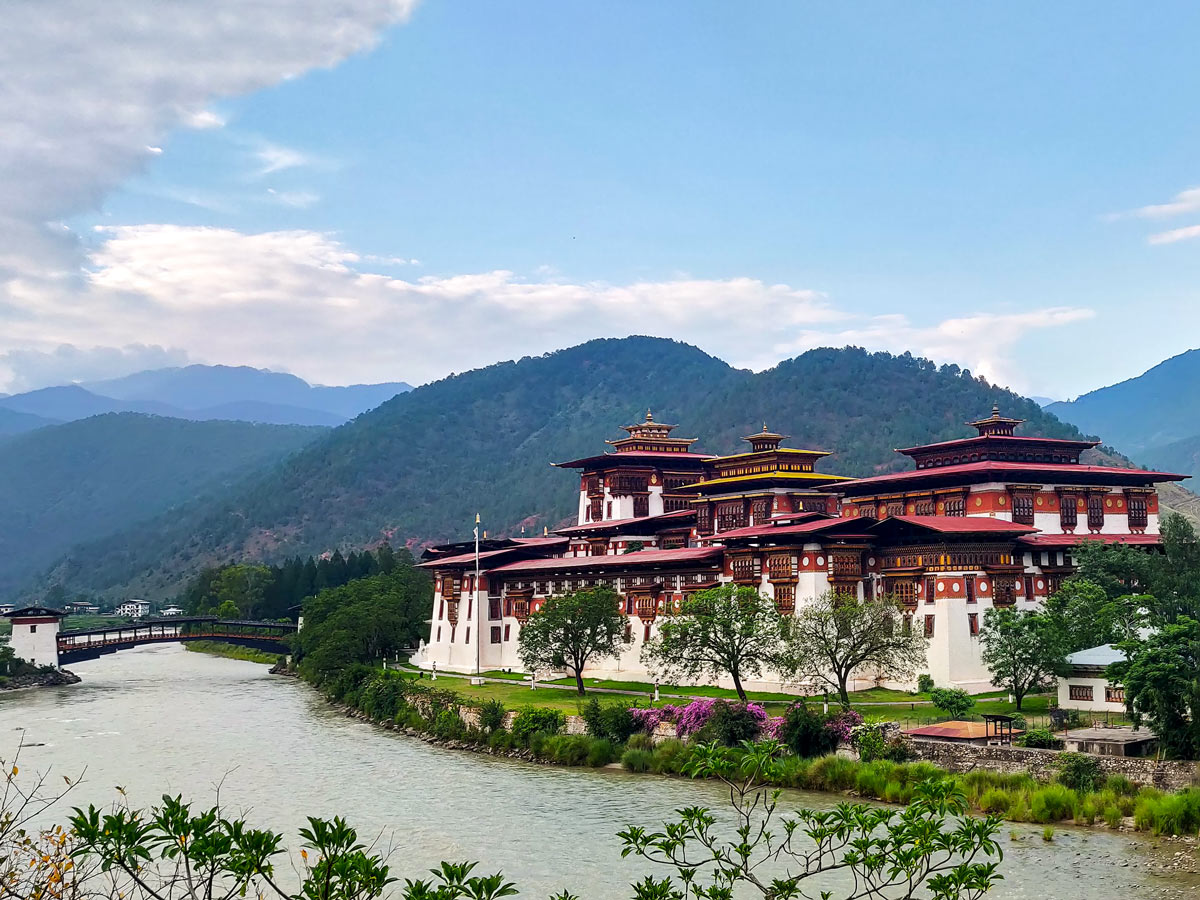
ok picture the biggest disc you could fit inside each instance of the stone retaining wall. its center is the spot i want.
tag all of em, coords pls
(1169, 775)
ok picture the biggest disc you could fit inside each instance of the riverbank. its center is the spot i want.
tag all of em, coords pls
(232, 651)
(50, 678)
(1078, 796)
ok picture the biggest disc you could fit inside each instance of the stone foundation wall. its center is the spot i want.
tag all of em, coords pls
(1169, 775)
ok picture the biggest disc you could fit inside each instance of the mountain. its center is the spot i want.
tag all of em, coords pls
(63, 484)
(14, 422)
(200, 393)
(1156, 408)
(1043, 401)
(420, 466)
(1177, 456)
(207, 387)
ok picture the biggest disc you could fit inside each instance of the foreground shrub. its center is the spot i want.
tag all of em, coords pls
(670, 756)
(804, 731)
(833, 773)
(1040, 738)
(1053, 803)
(491, 716)
(612, 721)
(532, 719)
(1161, 813)
(635, 760)
(640, 742)
(996, 800)
(601, 752)
(733, 723)
(1078, 771)
(954, 702)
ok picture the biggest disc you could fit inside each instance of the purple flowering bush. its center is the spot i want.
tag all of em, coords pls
(843, 724)
(696, 715)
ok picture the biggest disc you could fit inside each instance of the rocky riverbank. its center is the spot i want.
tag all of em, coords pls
(51, 678)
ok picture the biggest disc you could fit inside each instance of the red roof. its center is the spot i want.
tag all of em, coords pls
(808, 526)
(963, 731)
(621, 523)
(1006, 468)
(1073, 540)
(613, 560)
(1001, 438)
(959, 524)
(469, 558)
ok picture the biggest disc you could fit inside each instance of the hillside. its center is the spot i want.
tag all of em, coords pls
(1157, 408)
(419, 467)
(13, 422)
(67, 483)
(1177, 456)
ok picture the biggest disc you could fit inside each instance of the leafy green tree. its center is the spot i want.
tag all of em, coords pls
(572, 630)
(244, 586)
(728, 630)
(1161, 676)
(228, 610)
(932, 845)
(954, 702)
(839, 634)
(1088, 617)
(1022, 649)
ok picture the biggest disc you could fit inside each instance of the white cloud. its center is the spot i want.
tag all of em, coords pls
(1175, 234)
(277, 158)
(26, 370)
(303, 302)
(294, 199)
(1187, 201)
(95, 87)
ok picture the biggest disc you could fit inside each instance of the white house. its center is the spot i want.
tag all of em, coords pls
(135, 609)
(35, 634)
(172, 611)
(1086, 687)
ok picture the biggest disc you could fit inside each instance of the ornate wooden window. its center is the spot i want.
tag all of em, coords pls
(930, 589)
(731, 515)
(895, 508)
(1114, 693)
(955, 506)
(779, 567)
(904, 590)
(495, 634)
(452, 615)
(1068, 511)
(1095, 508)
(704, 519)
(785, 598)
(506, 631)
(1138, 510)
(846, 564)
(973, 624)
(1022, 508)
(1004, 592)
(493, 607)
(969, 585)
(447, 585)
(760, 510)
(929, 620)
(742, 569)
(641, 505)
(674, 504)
(1079, 691)
(596, 509)
(924, 507)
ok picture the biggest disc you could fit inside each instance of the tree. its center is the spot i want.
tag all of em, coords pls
(839, 634)
(572, 630)
(228, 610)
(728, 630)
(931, 845)
(1087, 617)
(1022, 650)
(954, 702)
(1161, 676)
(244, 586)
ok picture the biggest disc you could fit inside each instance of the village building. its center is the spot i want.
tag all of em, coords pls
(134, 609)
(981, 522)
(1086, 686)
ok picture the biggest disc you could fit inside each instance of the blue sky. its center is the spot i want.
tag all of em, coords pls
(987, 185)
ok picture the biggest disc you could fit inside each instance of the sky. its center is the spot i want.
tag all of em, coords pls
(382, 190)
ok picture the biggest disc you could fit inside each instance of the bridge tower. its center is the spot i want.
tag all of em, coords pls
(35, 634)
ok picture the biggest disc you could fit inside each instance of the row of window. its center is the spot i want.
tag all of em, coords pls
(1112, 693)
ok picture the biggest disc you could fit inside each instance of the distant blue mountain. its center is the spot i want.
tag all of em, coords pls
(237, 393)
(205, 387)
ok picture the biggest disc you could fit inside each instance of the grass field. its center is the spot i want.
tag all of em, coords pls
(232, 651)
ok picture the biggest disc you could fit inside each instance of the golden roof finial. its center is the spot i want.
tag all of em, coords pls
(765, 428)
(649, 416)
(996, 411)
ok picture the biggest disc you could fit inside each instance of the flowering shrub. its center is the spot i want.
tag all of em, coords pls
(773, 728)
(843, 724)
(691, 718)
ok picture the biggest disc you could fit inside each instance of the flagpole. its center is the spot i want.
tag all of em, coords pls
(478, 603)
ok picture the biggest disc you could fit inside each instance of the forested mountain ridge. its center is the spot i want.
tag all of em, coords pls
(420, 466)
(63, 484)
(1159, 407)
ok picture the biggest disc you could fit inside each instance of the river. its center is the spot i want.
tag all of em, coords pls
(161, 719)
